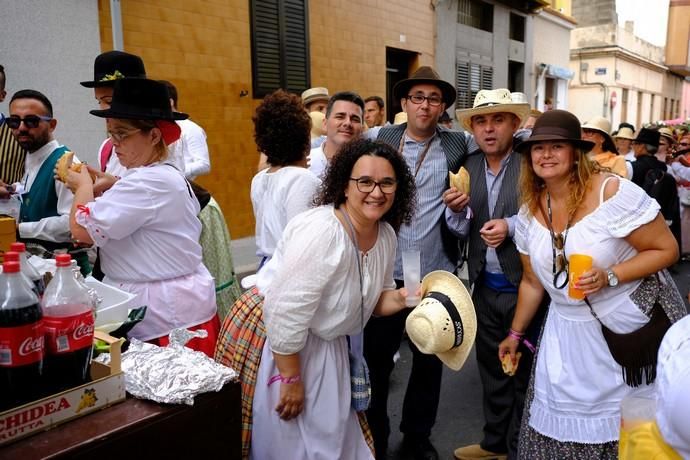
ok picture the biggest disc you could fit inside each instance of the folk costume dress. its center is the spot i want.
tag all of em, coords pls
(147, 229)
(312, 302)
(577, 386)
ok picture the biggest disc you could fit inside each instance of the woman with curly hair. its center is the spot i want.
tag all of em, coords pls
(571, 206)
(332, 269)
(286, 188)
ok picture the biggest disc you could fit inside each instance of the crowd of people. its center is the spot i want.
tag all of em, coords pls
(339, 196)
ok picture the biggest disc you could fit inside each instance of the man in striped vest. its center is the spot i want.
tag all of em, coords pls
(11, 153)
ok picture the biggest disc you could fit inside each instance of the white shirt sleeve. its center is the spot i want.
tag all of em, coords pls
(196, 157)
(55, 228)
(680, 171)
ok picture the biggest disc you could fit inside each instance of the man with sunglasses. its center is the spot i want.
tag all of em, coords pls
(46, 203)
(11, 153)
(430, 152)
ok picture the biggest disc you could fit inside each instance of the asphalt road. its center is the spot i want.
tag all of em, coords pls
(460, 418)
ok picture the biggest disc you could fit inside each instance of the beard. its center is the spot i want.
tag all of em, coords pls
(32, 143)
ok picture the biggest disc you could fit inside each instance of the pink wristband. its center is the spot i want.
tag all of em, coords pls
(516, 335)
(285, 380)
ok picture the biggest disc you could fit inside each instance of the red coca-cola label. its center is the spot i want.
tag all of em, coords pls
(65, 334)
(21, 345)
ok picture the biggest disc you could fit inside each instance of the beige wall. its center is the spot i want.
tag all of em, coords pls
(678, 34)
(204, 48)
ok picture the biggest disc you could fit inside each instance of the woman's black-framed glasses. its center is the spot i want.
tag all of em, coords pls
(367, 184)
(30, 121)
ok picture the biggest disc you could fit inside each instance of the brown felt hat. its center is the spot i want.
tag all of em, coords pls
(556, 125)
(422, 75)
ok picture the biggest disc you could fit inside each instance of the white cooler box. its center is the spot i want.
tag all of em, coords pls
(113, 310)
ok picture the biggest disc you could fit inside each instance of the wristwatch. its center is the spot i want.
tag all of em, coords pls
(612, 278)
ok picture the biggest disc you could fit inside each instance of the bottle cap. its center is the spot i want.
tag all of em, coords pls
(18, 247)
(12, 256)
(10, 266)
(63, 260)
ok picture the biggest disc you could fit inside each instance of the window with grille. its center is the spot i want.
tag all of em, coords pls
(476, 14)
(471, 78)
(280, 46)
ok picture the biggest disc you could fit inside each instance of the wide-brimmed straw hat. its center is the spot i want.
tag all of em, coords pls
(603, 127)
(667, 133)
(115, 65)
(140, 99)
(318, 93)
(492, 101)
(444, 323)
(556, 125)
(625, 133)
(400, 118)
(423, 75)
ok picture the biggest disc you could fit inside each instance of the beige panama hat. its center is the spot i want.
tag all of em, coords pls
(602, 126)
(492, 101)
(625, 133)
(667, 133)
(444, 323)
(400, 118)
(518, 97)
(315, 94)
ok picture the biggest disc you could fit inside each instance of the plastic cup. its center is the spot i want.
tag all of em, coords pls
(577, 265)
(412, 275)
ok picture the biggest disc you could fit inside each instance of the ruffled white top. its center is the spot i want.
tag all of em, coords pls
(311, 285)
(578, 386)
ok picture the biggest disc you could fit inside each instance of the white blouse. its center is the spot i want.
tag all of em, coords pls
(312, 285)
(277, 197)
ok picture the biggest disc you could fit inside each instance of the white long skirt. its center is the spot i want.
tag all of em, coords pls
(327, 428)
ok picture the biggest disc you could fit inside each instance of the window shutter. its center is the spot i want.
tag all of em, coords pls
(471, 78)
(463, 86)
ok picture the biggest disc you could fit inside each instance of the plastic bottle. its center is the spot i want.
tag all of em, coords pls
(21, 339)
(29, 269)
(69, 324)
(12, 256)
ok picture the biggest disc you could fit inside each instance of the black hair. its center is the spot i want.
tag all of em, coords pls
(377, 99)
(340, 169)
(172, 91)
(348, 96)
(33, 94)
(626, 125)
(3, 78)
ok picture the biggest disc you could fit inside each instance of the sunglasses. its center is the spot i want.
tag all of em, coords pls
(30, 121)
(559, 266)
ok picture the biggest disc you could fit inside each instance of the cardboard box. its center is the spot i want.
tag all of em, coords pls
(8, 234)
(106, 389)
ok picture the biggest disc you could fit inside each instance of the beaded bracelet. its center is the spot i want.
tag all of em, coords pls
(285, 380)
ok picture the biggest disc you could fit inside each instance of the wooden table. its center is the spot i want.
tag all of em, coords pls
(142, 429)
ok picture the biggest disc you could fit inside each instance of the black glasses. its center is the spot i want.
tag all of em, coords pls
(367, 184)
(433, 100)
(559, 266)
(30, 121)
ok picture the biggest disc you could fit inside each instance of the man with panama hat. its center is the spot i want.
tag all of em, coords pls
(494, 267)
(109, 67)
(430, 152)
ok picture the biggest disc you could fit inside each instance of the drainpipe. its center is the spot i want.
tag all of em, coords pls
(116, 21)
(583, 68)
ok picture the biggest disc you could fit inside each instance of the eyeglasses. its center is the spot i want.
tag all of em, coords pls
(560, 263)
(433, 100)
(30, 121)
(121, 136)
(684, 144)
(367, 184)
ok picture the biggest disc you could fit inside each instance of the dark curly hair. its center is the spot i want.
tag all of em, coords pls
(340, 169)
(281, 128)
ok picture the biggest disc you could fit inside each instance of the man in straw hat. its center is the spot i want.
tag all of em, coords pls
(430, 152)
(624, 137)
(604, 151)
(315, 99)
(494, 266)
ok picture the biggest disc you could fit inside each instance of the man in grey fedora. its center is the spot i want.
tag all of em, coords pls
(430, 151)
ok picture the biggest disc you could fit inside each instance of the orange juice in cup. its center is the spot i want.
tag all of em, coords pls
(578, 264)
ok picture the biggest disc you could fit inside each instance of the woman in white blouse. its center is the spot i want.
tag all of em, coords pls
(286, 187)
(315, 297)
(146, 223)
(572, 207)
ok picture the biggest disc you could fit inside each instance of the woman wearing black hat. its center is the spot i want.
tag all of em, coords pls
(572, 207)
(146, 224)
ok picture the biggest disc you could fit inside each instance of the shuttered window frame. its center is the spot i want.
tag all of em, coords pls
(280, 46)
(470, 79)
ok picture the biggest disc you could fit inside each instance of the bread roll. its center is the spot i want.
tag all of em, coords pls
(461, 180)
(507, 363)
(65, 163)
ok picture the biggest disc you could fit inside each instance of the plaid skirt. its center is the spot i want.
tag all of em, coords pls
(240, 344)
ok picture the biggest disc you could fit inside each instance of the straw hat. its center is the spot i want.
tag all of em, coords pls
(317, 124)
(444, 323)
(492, 101)
(556, 125)
(518, 97)
(400, 118)
(625, 133)
(667, 133)
(315, 94)
(425, 74)
(603, 127)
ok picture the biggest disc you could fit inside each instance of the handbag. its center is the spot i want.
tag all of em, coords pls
(637, 351)
(360, 385)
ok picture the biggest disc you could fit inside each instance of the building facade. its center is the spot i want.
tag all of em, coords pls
(678, 53)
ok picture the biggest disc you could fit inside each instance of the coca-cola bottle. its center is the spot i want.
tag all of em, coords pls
(28, 269)
(12, 256)
(21, 339)
(68, 323)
